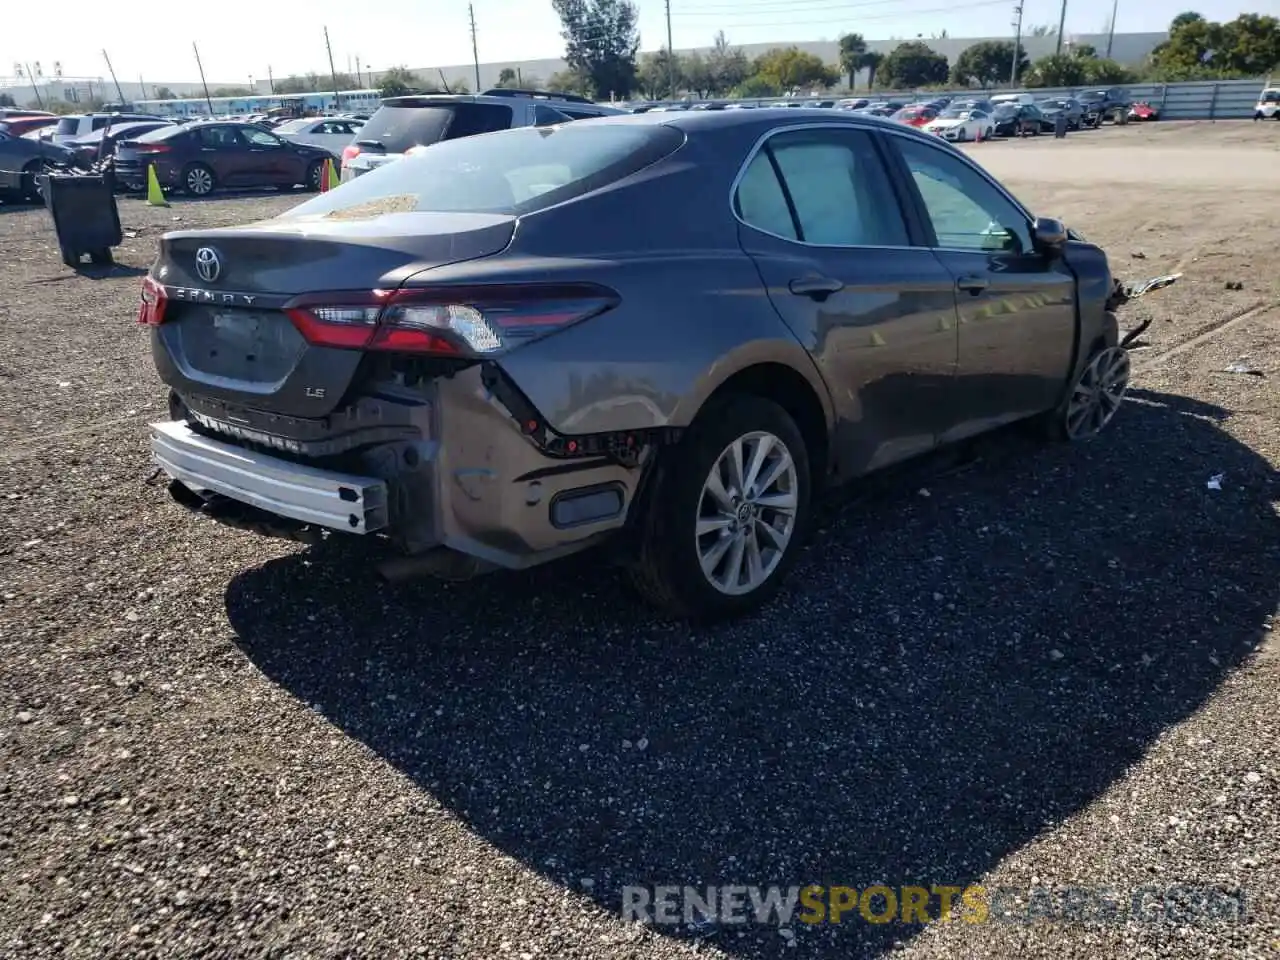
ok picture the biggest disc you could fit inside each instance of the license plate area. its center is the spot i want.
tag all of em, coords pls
(260, 346)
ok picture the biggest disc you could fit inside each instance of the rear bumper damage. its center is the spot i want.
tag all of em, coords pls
(450, 471)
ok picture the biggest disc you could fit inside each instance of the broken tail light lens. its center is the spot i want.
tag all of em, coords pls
(151, 309)
(467, 321)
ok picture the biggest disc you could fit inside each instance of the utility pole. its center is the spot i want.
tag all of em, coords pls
(203, 82)
(271, 80)
(333, 74)
(35, 88)
(671, 54)
(1062, 25)
(1017, 44)
(475, 50)
(1111, 31)
(110, 70)
(359, 75)
(142, 87)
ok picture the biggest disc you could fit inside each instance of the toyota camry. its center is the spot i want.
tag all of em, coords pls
(667, 332)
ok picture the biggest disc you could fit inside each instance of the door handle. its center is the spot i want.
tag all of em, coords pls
(818, 288)
(975, 285)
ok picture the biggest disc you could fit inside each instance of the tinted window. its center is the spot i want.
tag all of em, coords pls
(760, 201)
(577, 114)
(398, 128)
(260, 138)
(544, 116)
(967, 211)
(515, 171)
(838, 189)
(218, 138)
(67, 126)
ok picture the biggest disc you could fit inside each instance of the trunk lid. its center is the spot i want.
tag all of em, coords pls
(226, 335)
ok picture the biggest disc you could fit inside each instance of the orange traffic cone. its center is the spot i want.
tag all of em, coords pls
(324, 179)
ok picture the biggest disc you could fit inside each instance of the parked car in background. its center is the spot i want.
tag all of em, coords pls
(1142, 110)
(403, 123)
(986, 106)
(18, 126)
(81, 125)
(960, 125)
(566, 338)
(199, 158)
(1072, 108)
(332, 133)
(1020, 120)
(915, 115)
(1268, 105)
(102, 143)
(1113, 103)
(1021, 99)
(852, 103)
(23, 159)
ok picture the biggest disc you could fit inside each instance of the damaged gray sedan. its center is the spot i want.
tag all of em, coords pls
(668, 332)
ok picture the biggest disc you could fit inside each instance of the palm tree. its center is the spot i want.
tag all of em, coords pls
(870, 61)
(852, 50)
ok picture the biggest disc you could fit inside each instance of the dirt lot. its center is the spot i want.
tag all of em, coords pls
(1053, 667)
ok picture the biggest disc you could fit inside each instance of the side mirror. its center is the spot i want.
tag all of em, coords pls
(1049, 236)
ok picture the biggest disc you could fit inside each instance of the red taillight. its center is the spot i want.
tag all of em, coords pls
(151, 310)
(349, 152)
(445, 320)
(152, 148)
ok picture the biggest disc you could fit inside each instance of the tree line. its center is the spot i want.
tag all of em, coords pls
(602, 44)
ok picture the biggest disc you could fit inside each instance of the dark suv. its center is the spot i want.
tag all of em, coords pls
(199, 158)
(403, 123)
(1113, 103)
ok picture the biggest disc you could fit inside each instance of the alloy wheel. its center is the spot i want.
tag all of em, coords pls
(1097, 394)
(199, 181)
(747, 513)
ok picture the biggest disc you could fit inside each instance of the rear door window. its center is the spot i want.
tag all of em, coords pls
(838, 190)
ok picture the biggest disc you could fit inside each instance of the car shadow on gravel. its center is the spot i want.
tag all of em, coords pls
(954, 669)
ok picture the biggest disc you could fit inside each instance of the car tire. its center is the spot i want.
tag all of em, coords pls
(198, 180)
(699, 536)
(315, 175)
(1094, 397)
(29, 185)
(960, 136)
(988, 133)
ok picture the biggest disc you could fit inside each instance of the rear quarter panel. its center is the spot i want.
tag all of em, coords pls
(693, 309)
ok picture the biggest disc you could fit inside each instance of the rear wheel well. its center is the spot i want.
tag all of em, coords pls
(791, 391)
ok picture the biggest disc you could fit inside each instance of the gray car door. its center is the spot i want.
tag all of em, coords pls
(821, 218)
(1016, 307)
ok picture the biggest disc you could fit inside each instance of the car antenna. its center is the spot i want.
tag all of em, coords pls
(444, 81)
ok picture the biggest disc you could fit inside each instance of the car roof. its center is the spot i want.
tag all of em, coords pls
(693, 121)
(550, 99)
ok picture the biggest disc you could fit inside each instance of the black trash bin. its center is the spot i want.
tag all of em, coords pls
(85, 216)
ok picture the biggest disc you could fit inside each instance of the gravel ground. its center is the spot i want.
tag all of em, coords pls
(1043, 666)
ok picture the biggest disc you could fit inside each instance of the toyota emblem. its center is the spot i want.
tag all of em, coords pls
(208, 264)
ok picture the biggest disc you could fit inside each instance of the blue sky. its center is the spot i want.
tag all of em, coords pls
(239, 39)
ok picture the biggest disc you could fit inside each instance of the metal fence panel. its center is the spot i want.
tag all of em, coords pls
(1198, 100)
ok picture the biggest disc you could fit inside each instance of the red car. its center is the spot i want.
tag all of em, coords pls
(1144, 111)
(915, 116)
(19, 126)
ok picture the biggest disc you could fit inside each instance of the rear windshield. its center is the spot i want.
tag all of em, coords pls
(67, 126)
(161, 133)
(1271, 96)
(513, 172)
(398, 128)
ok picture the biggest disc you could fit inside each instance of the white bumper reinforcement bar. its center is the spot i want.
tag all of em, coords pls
(339, 501)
